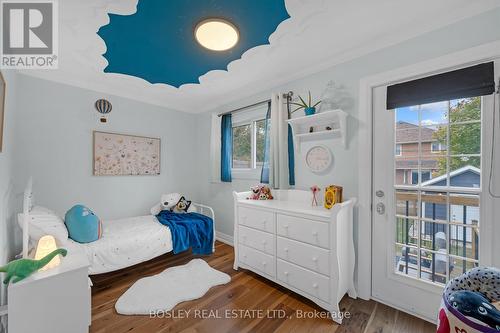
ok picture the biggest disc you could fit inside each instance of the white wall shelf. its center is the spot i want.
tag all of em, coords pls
(335, 119)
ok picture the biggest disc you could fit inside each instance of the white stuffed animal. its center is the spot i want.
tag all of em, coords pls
(169, 202)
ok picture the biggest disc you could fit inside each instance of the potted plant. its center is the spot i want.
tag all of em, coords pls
(309, 108)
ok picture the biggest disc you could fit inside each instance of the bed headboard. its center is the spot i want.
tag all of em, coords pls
(27, 207)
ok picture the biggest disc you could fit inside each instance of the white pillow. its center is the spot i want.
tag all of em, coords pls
(43, 222)
(39, 210)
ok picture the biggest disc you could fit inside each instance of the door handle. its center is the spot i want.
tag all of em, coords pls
(380, 208)
(380, 194)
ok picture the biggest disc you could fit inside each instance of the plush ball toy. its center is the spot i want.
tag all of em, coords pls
(82, 224)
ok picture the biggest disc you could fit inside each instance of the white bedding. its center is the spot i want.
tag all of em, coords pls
(126, 242)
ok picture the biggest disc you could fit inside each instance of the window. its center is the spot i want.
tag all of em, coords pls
(437, 147)
(399, 150)
(438, 213)
(248, 145)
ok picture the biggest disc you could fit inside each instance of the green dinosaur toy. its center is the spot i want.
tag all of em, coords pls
(22, 268)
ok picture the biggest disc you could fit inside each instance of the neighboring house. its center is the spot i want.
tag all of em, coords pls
(407, 139)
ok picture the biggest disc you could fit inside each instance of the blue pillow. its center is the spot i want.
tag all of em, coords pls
(82, 224)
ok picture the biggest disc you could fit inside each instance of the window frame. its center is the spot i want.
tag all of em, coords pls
(440, 147)
(400, 145)
(254, 171)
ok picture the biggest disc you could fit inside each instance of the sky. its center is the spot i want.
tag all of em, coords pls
(431, 114)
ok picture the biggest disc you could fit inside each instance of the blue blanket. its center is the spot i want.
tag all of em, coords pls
(189, 230)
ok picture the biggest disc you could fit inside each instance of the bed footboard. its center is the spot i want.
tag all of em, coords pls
(208, 211)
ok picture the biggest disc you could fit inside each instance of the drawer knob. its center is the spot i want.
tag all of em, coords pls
(264, 221)
(286, 249)
(315, 285)
(314, 259)
(244, 256)
(264, 242)
(264, 263)
(285, 226)
(286, 273)
(315, 233)
(244, 217)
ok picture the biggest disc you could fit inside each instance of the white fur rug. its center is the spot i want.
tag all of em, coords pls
(162, 292)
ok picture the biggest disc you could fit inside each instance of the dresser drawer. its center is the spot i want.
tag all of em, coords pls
(308, 256)
(255, 218)
(260, 261)
(312, 283)
(304, 230)
(256, 239)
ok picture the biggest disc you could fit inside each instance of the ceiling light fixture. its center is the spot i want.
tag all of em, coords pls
(216, 34)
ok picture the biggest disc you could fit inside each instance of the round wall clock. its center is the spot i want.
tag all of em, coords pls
(318, 158)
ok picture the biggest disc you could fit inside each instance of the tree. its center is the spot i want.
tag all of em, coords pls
(464, 138)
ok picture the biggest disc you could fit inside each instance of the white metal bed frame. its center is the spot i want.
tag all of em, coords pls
(28, 206)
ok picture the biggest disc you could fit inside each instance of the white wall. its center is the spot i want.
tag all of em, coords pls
(465, 34)
(54, 125)
(8, 240)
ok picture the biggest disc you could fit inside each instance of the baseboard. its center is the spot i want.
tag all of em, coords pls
(224, 238)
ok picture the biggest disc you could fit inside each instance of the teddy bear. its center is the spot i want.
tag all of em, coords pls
(174, 202)
(265, 193)
(255, 195)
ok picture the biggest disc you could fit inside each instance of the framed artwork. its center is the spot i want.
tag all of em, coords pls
(125, 155)
(2, 108)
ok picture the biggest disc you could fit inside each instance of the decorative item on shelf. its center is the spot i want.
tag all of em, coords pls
(328, 128)
(309, 108)
(334, 97)
(333, 195)
(260, 192)
(318, 159)
(104, 107)
(311, 129)
(315, 189)
(46, 245)
(20, 269)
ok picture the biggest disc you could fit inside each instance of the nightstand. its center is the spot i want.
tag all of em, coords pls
(54, 301)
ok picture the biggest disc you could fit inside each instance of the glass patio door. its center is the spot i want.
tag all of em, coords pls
(427, 190)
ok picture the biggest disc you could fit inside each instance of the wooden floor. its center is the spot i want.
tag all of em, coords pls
(245, 291)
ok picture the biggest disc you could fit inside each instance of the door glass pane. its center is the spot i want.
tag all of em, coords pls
(242, 147)
(464, 242)
(407, 203)
(465, 138)
(438, 148)
(433, 266)
(434, 206)
(465, 109)
(460, 266)
(406, 231)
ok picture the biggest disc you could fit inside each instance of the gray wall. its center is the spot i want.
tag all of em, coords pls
(9, 235)
(464, 34)
(54, 125)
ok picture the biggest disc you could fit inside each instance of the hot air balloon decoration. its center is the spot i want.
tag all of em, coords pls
(104, 107)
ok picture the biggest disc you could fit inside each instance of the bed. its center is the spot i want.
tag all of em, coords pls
(124, 242)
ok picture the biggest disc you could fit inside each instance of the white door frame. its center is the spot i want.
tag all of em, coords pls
(464, 58)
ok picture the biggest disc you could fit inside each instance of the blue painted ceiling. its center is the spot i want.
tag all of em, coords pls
(157, 42)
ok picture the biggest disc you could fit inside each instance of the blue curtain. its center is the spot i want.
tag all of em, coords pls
(264, 174)
(226, 148)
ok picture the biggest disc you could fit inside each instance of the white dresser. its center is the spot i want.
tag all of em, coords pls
(306, 249)
(54, 301)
